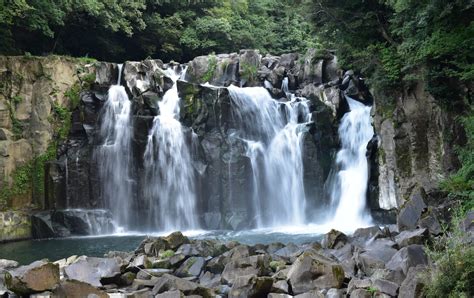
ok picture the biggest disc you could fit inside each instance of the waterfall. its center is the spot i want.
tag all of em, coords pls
(273, 133)
(114, 155)
(169, 189)
(349, 189)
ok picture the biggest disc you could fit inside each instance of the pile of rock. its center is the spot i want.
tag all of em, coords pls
(372, 260)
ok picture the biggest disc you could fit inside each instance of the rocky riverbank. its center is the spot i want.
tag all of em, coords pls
(385, 262)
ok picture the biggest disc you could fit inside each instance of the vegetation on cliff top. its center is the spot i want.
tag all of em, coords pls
(169, 30)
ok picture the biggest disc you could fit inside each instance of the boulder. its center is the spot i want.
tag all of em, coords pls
(312, 294)
(175, 240)
(407, 257)
(374, 256)
(191, 267)
(139, 262)
(8, 264)
(385, 286)
(170, 294)
(172, 283)
(312, 270)
(210, 280)
(334, 239)
(361, 293)
(413, 284)
(75, 288)
(336, 293)
(251, 286)
(418, 236)
(411, 211)
(280, 286)
(37, 277)
(257, 265)
(95, 271)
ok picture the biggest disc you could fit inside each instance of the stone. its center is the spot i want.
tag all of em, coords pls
(143, 293)
(139, 262)
(169, 282)
(395, 276)
(36, 277)
(311, 294)
(191, 267)
(139, 284)
(280, 286)
(334, 239)
(175, 240)
(407, 257)
(149, 273)
(251, 286)
(360, 293)
(210, 280)
(94, 271)
(374, 257)
(385, 286)
(312, 270)
(336, 293)
(127, 278)
(254, 265)
(412, 286)
(217, 264)
(170, 294)
(75, 288)
(411, 211)
(357, 283)
(418, 236)
(278, 295)
(8, 264)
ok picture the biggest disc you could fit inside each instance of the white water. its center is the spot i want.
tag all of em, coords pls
(273, 135)
(349, 191)
(169, 189)
(114, 155)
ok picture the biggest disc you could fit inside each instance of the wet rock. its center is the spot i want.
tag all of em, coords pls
(39, 276)
(411, 211)
(8, 264)
(95, 271)
(251, 286)
(334, 239)
(75, 288)
(312, 270)
(191, 267)
(171, 283)
(257, 265)
(407, 257)
(418, 236)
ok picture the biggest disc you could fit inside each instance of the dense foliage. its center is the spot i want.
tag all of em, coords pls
(135, 29)
(453, 255)
(400, 41)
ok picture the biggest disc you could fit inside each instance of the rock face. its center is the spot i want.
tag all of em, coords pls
(220, 162)
(14, 225)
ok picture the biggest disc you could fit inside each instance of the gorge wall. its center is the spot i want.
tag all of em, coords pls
(40, 95)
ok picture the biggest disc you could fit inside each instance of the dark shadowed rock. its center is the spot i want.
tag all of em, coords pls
(95, 271)
(75, 288)
(418, 236)
(407, 257)
(413, 284)
(251, 286)
(257, 265)
(334, 239)
(37, 277)
(312, 270)
(411, 211)
(175, 240)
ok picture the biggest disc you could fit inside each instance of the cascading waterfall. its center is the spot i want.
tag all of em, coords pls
(114, 155)
(169, 189)
(273, 133)
(349, 189)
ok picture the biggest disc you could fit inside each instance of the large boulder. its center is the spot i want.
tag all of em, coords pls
(258, 265)
(169, 282)
(407, 257)
(37, 277)
(191, 267)
(94, 271)
(312, 270)
(251, 286)
(414, 283)
(334, 239)
(410, 212)
(418, 236)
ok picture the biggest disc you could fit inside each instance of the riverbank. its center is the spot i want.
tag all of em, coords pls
(386, 262)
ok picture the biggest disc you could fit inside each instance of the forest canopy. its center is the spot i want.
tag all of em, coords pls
(117, 30)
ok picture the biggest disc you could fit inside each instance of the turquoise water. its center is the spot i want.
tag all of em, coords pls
(28, 251)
